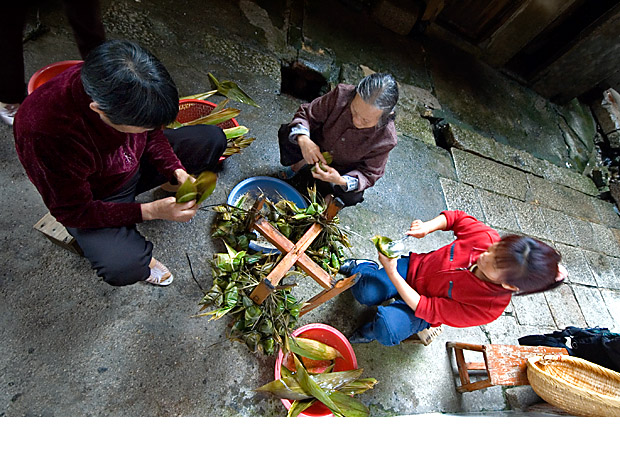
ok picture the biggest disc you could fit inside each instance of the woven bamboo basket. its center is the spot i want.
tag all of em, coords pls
(575, 385)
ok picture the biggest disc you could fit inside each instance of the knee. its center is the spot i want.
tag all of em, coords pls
(123, 271)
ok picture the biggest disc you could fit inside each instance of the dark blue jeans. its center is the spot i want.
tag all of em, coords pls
(394, 322)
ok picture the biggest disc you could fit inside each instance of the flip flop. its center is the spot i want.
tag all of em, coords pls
(157, 273)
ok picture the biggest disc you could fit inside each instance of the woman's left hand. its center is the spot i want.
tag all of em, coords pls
(389, 264)
(328, 174)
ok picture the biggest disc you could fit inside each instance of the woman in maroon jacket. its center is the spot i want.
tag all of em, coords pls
(355, 125)
(91, 139)
(466, 283)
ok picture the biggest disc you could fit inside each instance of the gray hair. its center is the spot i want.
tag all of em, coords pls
(381, 91)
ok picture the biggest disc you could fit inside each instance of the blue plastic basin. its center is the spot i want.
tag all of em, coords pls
(272, 188)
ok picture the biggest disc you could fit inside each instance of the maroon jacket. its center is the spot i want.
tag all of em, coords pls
(75, 160)
(450, 293)
(331, 125)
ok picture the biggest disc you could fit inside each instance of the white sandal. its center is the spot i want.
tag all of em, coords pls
(157, 273)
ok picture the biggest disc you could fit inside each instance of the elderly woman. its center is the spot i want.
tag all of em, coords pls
(355, 125)
(466, 283)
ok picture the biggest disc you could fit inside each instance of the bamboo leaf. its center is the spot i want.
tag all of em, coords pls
(187, 191)
(235, 132)
(299, 406)
(205, 185)
(200, 96)
(285, 387)
(382, 245)
(349, 406)
(310, 386)
(232, 90)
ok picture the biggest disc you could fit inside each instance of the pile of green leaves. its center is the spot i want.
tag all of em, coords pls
(336, 390)
(238, 271)
(260, 327)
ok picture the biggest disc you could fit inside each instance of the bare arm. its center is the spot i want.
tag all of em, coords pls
(420, 229)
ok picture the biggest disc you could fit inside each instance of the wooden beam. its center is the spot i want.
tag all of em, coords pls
(328, 294)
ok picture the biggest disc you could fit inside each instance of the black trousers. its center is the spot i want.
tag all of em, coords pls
(84, 16)
(290, 154)
(121, 255)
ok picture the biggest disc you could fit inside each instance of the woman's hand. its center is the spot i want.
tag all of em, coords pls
(389, 264)
(169, 209)
(181, 175)
(329, 174)
(419, 229)
(309, 150)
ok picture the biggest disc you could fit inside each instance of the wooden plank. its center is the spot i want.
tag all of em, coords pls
(284, 245)
(328, 294)
(598, 47)
(507, 363)
(57, 233)
(522, 27)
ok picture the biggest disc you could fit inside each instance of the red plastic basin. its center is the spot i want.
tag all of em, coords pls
(48, 72)
(332, 337)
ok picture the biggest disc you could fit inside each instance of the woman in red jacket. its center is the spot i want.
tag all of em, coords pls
(466, 283)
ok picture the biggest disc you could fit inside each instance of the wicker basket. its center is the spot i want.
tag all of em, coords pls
(575, 385)
(190, 109)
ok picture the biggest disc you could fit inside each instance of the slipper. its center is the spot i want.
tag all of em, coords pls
(157, 273)
(425, 336)
(286, 173)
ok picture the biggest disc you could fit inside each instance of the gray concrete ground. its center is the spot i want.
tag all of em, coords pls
(469, 138)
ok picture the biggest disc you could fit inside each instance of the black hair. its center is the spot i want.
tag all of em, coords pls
(381, 91)
(130, 85)
(528, 264)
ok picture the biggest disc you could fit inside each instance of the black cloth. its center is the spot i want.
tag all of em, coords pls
(121, 255)
(84, 16)
(290, 154)
(597, 345)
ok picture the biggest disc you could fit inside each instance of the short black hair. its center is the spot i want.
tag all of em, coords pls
(130, 85)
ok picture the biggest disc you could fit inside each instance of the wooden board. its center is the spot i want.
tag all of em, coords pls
(57, 233)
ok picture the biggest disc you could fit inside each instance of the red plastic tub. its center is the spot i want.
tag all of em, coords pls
(332, 337)
(190, 110)
(48, 72)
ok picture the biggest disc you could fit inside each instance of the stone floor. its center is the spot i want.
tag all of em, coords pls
(469, 138)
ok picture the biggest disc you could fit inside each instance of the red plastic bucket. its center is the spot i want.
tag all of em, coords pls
(332, 337)
(48, 72)
(190, 110)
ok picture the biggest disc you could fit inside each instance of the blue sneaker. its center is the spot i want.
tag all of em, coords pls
(357, 338)
(348, 265)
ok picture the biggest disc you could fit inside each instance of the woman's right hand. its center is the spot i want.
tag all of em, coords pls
(309, 150)
(169, 209)
(418, 229)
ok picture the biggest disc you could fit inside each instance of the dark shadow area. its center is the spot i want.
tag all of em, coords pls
(302, 82)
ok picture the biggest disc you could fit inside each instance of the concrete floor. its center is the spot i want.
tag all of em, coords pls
(73, 346)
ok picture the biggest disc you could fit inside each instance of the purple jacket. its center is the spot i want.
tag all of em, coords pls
(75, 160)
(331, 125)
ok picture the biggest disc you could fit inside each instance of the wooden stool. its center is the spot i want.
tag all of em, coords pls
(57, 233)
(505, 364)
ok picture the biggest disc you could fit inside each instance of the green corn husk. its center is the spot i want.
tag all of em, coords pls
(232, 90)
(235, 132)
(381, 243)
(313, 349)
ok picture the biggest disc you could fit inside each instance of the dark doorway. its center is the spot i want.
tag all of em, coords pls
(302, 82)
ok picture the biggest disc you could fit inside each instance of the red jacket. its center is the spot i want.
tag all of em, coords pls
(74, 159)
(450, 293)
